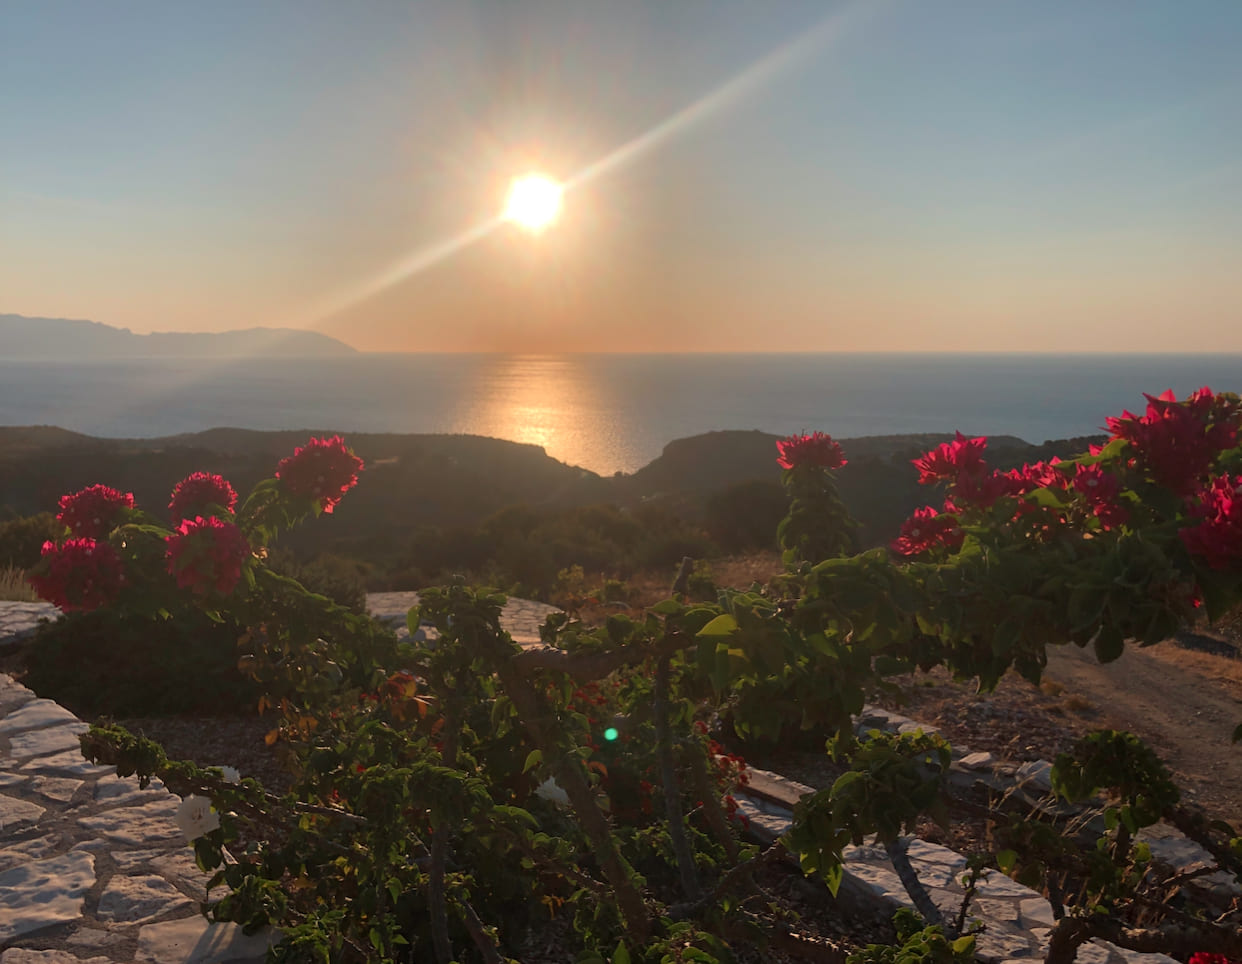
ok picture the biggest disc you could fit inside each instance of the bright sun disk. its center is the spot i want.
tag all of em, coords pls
(533, 202)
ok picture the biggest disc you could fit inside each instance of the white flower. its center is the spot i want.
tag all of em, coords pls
(550, 791)
(229, 774)
(196, 818)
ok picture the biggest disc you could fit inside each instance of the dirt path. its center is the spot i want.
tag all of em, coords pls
(1185, 714)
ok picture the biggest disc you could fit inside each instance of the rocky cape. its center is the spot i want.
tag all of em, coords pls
(66, 339)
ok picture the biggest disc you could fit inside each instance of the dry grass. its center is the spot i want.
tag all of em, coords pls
(1227, 671)
(14, 587)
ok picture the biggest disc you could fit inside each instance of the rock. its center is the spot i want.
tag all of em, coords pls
(70, 763)
(977, 761)
(52, 739)
(1036, 912)
(196, 940)
(20, 955)
(996, 884)
(60, 789)
(39, 893)
(136, 900)
(117, 791)
(1037, 774)
(138, 826)
(14, 812)
(35, 714)
(766, 827)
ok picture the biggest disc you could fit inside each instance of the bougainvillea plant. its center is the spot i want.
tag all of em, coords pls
(451, 793)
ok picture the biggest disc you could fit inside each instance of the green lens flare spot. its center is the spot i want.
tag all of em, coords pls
(611, 733)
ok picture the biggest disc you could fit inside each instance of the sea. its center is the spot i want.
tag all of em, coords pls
(605, 413)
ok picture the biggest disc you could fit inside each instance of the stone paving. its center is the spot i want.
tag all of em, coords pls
(1016, 919)
(91, 867)
(94, 869)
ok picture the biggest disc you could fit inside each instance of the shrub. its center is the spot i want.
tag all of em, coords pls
(21, 540)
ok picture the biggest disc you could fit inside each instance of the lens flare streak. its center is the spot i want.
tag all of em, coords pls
(757, 75)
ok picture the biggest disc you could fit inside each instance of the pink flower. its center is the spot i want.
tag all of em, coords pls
(982, 491)
(95, 511)
(207, 554)
(322, 470)
(1217, 537)
(926, 529)
(1203, 957)
(193, 494)
(815, 449)
(1177, 442)
(1100, 489)
(81, 574)
(953, 460)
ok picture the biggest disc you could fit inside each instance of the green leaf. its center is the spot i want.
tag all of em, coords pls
(833, 876)
(621, 955)
(669, 607)
(722, 625)
(1006, 860)
(533, 759)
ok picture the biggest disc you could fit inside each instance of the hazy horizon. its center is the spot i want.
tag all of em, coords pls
(795, 176)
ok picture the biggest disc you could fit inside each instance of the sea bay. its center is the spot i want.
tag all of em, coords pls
(605, 413)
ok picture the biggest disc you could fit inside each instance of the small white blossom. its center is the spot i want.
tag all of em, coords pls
(196, 818)
(229, 774)
(549, 790)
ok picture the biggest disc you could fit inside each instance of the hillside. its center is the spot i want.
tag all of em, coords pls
(70, 339)
(459, 480)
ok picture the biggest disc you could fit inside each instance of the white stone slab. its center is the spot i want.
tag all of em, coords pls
(138, 899)
(977, 761)
(37, 848)
(12, 694)
(881, 881)
(1036, 774)
(35, 714)
(997, 884)
(142, 826)
(921, 850)
(94, 938)
(129, 859)
(180, 870)
(15, 813)
(1093, 952)
(1036, 912)
(20, 955)
(52, 739)
(70, 763)
(39, 893)
(118, 791)
(195, 940)
(60, 789)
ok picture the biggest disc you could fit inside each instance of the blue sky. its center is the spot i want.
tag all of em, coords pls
(1049, 176)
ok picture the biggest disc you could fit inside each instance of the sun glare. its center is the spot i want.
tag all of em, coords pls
(533, 202)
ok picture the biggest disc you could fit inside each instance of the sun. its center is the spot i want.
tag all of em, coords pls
(533, 202)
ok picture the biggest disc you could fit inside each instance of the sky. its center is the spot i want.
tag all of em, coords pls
(966, 175)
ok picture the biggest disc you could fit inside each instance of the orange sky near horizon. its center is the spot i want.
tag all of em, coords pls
(800, 176)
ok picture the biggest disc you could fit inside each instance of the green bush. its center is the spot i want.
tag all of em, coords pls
(120, 664)
(745, 515)
(21, 539)
(342, 580)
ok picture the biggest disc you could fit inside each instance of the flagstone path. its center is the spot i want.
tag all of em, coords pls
(95, 870)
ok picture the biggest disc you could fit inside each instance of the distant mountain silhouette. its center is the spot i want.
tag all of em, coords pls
(63, 338)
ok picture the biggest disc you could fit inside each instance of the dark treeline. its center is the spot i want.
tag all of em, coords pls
(431, 506)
